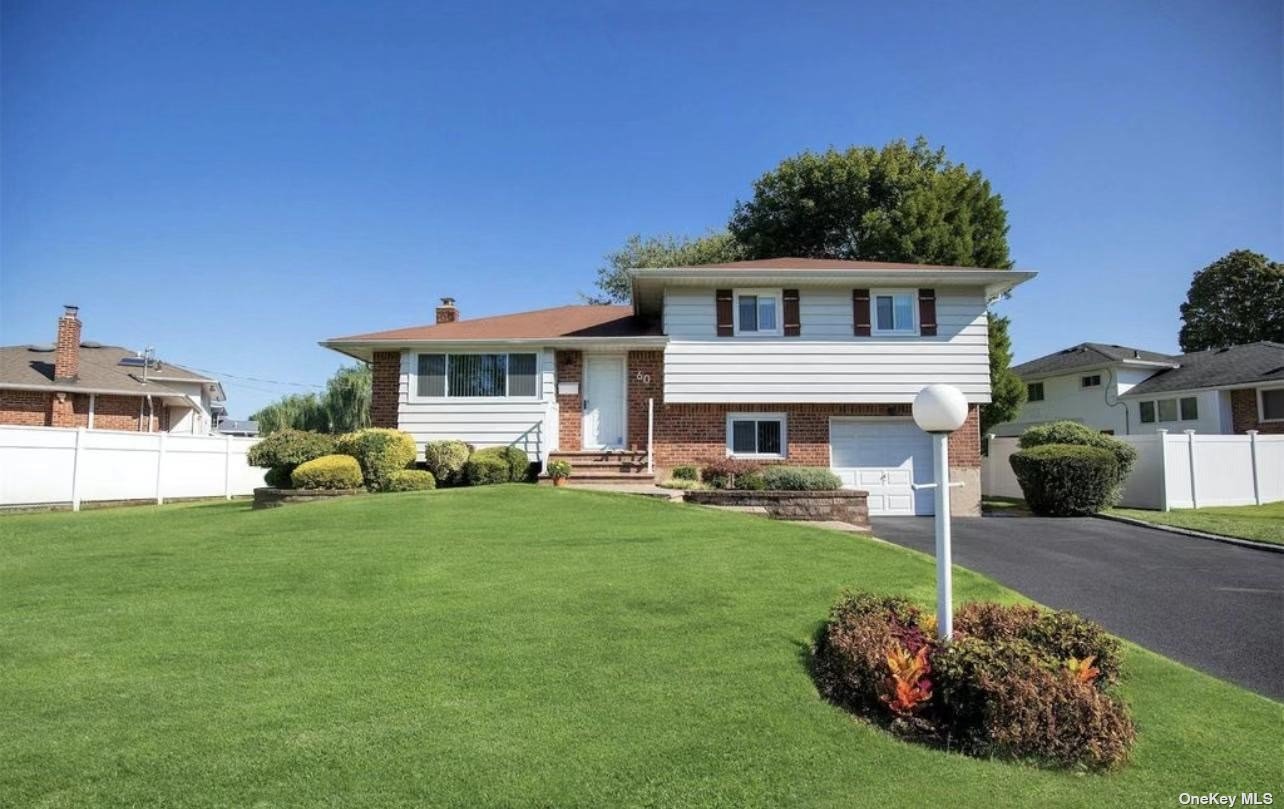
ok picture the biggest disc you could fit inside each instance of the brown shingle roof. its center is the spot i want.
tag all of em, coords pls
(100, 370)
(561, 321)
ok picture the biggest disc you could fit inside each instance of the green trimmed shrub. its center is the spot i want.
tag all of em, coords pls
(284, 450)
(446, 459)
(410, 480)
(328, 472)
(1064, 480)
(484, 469)
(685, 472)
(514, 460)
(800, 479)
(380, 452)
(732, 473)
(1072, 432)
(278, 477)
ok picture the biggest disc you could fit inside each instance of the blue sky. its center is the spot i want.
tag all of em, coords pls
(231, 182)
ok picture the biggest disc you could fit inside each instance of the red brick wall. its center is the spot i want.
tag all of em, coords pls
(1244, 414)
(62, 411)
(39, 409)
(646, 381)
(385, 388)
(25, 408)
(569, 367)
(691, 433)
(116, 413)
(965, 442)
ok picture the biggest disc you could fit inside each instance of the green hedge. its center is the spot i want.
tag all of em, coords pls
(686, 472)
(483, 470)
(514, 460)
(446, 459)
(328, 472)
(284, 450)
(410, 480)
(1065, 480)
(800, 479)
(1072, 432)
(380, 452)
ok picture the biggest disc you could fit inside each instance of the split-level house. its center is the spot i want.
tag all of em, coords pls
(797, 361)
(1131, 391)
(81, 383)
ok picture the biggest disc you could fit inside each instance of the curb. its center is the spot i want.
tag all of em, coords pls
(1172, 529)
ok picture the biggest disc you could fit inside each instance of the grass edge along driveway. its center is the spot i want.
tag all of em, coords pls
(503, 646)
(1264, 523)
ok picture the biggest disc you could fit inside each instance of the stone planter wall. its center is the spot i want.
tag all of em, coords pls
(271, 498)
(843, 505)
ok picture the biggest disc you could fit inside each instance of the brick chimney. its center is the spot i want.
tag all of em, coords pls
(447, 313)
(67, 349)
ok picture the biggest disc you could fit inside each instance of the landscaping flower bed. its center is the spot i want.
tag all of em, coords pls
(1014, 682)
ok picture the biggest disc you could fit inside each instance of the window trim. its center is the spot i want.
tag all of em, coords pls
(777, 294)
(1261, 405)
(784, 435)
(1029, 387)
(1084, 384)
(875, 294)
(413, 381)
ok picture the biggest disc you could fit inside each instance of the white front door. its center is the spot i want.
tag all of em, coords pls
(883, 457)
(604, 402)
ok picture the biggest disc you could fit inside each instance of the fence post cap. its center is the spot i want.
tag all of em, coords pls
(1250, 432)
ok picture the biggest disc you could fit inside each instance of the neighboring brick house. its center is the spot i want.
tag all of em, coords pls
(74, 383)
(1130, 391)
(797, 361)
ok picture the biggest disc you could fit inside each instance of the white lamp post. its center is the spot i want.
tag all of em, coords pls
(940, 410)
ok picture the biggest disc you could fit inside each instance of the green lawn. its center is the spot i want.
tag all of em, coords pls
(504, 646)
(1262, 523)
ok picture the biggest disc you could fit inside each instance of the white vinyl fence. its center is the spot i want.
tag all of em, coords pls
(1183, 470)
(54, 465)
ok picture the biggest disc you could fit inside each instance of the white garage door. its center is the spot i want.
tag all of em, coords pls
(883, 457)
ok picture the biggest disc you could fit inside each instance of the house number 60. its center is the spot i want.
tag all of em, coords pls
(645, 379)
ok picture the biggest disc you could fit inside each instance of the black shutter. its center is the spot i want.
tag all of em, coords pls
(726, 323)
(860, 312)
(793, 320)
(927, 312)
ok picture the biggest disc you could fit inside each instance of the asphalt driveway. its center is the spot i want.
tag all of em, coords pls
(1213, 606)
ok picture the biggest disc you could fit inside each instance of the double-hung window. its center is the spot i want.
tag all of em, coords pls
(757, 312)
(1271, 405)
(894, 312)
(477, 376)
(756, 435)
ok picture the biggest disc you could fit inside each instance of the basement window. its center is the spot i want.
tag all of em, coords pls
(756, 435)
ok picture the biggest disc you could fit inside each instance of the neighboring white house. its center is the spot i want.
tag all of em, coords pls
(1129, 391)
(799, 361)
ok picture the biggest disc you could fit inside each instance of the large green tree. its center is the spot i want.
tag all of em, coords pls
(660, 251)
(1237, 299)
(904, 202)
(901, 203)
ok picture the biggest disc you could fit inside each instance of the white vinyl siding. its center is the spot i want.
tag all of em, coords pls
(826, 363)
(482, 422)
